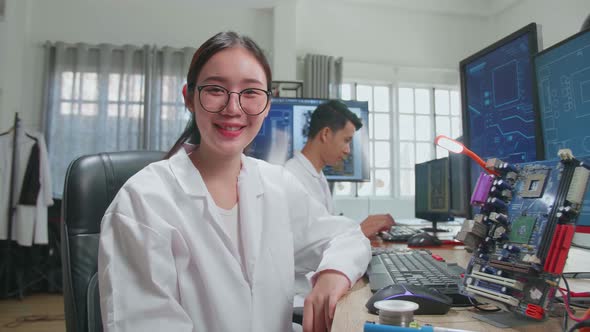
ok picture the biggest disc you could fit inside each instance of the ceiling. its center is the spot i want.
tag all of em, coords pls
(484, 8)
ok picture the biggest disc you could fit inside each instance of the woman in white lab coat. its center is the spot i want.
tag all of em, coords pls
(208, 239)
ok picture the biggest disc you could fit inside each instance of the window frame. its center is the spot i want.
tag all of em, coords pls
(395, 141)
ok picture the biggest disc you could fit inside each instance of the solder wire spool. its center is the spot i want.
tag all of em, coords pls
(396, 312)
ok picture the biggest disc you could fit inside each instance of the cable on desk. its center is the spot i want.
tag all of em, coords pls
(579, 325)
(569, 310)
(477, 306)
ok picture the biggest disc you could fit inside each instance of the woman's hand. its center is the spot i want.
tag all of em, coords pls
(320, 304)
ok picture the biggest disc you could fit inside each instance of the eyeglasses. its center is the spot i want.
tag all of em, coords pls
(214, 99)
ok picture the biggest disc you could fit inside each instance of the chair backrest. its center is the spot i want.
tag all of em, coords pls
(91, 184)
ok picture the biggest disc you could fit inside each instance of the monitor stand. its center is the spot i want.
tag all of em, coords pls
(434, 229)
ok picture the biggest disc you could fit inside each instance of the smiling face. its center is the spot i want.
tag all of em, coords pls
(228, 132)
(337, 144)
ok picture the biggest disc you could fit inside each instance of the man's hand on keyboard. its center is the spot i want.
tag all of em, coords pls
(376, 223)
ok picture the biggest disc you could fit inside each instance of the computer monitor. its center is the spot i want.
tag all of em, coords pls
(285, 130)
(563, 81)
(500, 113)
(460, 193)
(433, 192)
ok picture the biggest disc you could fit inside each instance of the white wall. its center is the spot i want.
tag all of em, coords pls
(176, 23)
(12, 40)
(386, 37)
(378, 43)
(558, 19)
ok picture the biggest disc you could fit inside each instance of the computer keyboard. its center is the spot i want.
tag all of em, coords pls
(399, 233)
(416, 267)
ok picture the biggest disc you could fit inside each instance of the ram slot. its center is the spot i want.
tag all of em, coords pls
(493, 295)
(499, 280)
(562, 189)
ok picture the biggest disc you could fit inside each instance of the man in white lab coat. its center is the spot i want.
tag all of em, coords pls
(331, 129)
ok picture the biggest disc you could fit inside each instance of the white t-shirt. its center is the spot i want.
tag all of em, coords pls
(315, 182)
(230, 225)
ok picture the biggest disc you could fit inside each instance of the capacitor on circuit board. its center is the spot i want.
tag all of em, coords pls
(506, 168)
(497, 203)
(502, 184)
(511, 248)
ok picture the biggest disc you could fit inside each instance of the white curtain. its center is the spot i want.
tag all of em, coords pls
(322, 76)
(102, 98)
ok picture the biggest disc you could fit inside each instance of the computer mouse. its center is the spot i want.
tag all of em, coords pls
(429, 300)
(423, 239)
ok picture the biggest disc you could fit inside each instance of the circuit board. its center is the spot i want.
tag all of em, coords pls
(525, 226)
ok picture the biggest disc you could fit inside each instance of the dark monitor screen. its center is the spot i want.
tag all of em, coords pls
(285, 130)
(433, 190)
(500, 113)
(460, 193)
(563, 82)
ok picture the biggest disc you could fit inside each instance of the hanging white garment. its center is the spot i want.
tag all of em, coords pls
(29, 223)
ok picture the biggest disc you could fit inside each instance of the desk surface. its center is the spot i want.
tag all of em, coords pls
(351, 313)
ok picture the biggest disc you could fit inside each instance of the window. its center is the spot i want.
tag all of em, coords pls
(424, 113)
(420, 114)
(380, 140)
(102, 98)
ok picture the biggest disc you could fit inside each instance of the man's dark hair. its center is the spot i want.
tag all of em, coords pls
(333, 114)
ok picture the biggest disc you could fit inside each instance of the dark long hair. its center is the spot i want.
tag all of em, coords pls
(212, 46)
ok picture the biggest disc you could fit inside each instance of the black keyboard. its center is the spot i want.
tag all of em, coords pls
(399, 233)
(416, 267)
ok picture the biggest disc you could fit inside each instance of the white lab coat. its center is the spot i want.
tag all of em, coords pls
(29, 224)
(165, 263)
(315, 183)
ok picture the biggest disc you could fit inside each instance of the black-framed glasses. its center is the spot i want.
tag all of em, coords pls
(214, 99)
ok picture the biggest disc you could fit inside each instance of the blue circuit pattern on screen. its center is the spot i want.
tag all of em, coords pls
(274, 142)
(563, 81)
(285, 130)
(499, 92)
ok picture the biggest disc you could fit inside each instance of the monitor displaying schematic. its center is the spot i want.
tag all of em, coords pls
(563, 81)
(500, 113)
(286, 128)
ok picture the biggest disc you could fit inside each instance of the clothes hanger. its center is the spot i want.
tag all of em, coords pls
(7, 132)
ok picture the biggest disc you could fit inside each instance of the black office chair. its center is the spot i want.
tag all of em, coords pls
(91, 184)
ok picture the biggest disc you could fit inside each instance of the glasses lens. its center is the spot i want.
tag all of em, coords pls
(213, 98)
(253, 101)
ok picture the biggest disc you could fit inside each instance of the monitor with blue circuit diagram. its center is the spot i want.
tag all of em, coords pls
(500, 112)
(286, 128)
(563, 82)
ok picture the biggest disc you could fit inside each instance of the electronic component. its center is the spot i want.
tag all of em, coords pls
(526, 233)
(482, 188)
(522, 228)
(578, 187)
(533, 185)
